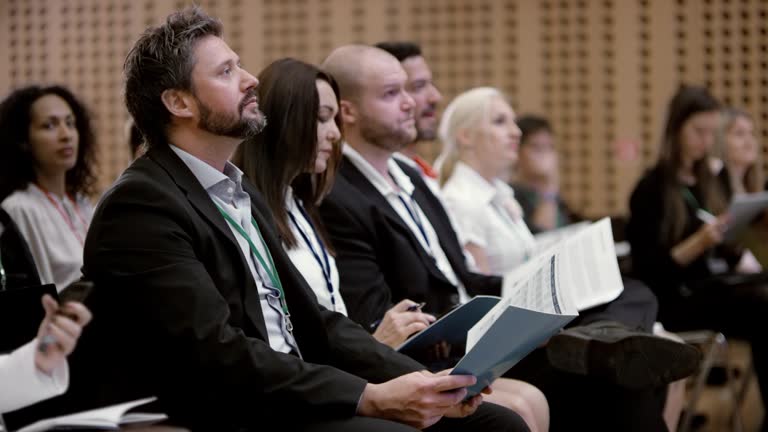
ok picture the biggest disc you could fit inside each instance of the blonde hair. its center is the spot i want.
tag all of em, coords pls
(465, 111)
(753, 179)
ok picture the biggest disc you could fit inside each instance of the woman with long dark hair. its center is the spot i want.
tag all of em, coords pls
(293, 162)
(46, 176)
(676, 233)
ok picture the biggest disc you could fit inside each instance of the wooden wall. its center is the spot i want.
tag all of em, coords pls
(602, 70)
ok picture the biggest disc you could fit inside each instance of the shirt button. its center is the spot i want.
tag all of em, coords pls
(230, 190)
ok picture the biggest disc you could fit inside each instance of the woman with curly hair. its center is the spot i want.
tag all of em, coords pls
(46, 176)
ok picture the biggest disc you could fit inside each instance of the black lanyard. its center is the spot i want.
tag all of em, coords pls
(413, 212)
(324, 263)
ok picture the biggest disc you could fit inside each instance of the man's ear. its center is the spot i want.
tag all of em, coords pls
(348, 111)
(179, 103)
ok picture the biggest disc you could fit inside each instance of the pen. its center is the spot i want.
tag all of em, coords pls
(416, 307)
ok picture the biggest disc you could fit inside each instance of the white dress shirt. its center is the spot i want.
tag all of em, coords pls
(486, 217)
(226, 191)
(309, 258)
(409, 211)
(54, 230)
(22, 384)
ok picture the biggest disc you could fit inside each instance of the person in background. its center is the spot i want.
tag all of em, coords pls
(676, 230)
(302, 146)
(39, 370)
(426, 98)
(736, 141)
(537, 178)
(741, 173)
(47, 176)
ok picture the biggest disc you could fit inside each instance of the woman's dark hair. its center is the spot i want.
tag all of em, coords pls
(284, 152)
(687, 102)
(17, 166)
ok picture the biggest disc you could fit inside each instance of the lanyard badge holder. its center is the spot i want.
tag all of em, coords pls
(275, 287)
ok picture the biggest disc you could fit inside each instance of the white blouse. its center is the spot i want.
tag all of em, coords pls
(54, 230)
(486, 216)
(29, 384)
(310, 255)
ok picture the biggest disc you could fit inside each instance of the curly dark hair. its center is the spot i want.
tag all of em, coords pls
(17, 166)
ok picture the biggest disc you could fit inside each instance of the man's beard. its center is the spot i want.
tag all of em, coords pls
(426, 133)
(234, 126)
(388, 138)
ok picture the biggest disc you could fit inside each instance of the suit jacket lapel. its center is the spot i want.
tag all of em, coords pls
(438, 217)
(357, 179)
(202, 202)
(187, 181)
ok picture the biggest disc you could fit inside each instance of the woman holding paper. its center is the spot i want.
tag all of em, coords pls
(293, 162)
(38, 370)
(740, 172)
(676, 234)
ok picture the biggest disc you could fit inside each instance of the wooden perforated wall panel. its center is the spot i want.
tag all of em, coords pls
(601, 70)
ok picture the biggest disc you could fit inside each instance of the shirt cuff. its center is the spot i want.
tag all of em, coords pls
(31, 384)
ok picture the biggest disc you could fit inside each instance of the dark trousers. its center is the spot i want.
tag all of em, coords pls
(488, 417)
(636, 307)
(587, 403)
(734, 305)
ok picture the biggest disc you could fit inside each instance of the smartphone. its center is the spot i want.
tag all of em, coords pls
(76, 292)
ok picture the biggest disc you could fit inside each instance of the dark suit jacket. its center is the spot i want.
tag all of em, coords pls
(177, 314)
(380, 260)
(17, 260)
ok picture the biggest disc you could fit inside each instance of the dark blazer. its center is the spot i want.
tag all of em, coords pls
(177, 314)
(380, 260)
(17, 260)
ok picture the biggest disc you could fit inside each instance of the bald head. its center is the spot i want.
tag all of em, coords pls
(353, 65)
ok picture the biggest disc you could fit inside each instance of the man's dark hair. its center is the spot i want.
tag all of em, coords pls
(530, 124)
(163, 59)
(401, 50)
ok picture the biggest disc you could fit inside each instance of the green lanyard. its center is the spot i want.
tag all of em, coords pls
(271, 271)
(688, 195)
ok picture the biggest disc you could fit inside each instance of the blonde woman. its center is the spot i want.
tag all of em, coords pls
(480, 141)
(742, 172)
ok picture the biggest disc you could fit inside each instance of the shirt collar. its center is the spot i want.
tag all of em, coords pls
(207, 175)
(378, 181)
(478, 186)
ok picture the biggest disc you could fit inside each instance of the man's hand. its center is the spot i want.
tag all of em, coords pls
(419, 399)
(399, 323)
(59, 332)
